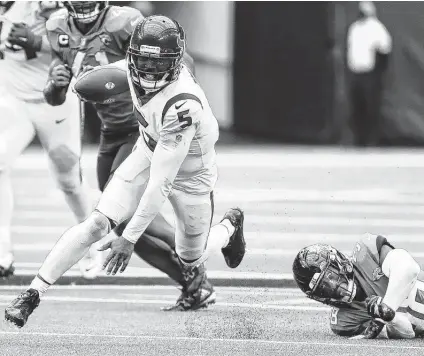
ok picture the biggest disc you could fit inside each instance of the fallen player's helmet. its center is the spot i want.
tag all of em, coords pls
(155, 52)
(325, 274)
(85, 11)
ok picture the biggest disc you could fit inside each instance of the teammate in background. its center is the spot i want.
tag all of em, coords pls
(25, 113)
(174, 158)
(378, 291)
(86, 34)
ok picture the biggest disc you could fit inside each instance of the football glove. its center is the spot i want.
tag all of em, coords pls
(377, 309)
(21, 35)
(61, 75)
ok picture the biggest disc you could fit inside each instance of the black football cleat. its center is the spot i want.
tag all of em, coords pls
(200, 299)
(22, 307)
(197, 291)
(236, 248)
(6, 272)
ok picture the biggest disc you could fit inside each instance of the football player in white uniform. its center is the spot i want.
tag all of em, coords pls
(24, 113)
(174, 159)
(83, 36)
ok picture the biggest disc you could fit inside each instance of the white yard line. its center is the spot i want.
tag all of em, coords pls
(185, 339)
(171, 301)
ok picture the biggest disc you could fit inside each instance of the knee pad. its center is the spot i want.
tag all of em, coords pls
(96, 226)
(190, 242)
(66, 168)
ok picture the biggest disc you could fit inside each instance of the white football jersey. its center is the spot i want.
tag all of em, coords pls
(181, 104)
(22, 77)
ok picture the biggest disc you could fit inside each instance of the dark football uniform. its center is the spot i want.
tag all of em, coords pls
(105, 43)
(353, 319)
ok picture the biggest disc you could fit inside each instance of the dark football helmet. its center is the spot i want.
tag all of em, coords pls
(155, 52)
(325, 274)
(85, 11)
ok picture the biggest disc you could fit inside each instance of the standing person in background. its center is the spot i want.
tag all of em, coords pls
(368, 47)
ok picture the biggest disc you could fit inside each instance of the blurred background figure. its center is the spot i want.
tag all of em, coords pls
(368, 46)
(145, 7)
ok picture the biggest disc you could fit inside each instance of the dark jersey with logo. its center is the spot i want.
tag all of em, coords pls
(353, 319)
(104, 43)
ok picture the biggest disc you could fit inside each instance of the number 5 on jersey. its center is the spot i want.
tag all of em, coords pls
(183, 117)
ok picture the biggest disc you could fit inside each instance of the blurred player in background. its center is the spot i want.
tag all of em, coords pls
(24, 113)
(174, 158)
(378, 291)
(87, 34)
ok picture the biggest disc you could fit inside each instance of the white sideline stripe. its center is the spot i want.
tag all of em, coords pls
(331, 221)
(159, 288)
(292, 252)
(31, 269)
(275, 220)
(204, 339)
(171, 301)
(282, 217)
(287, 212)
(25, 208)
(249, 252)
(265, 236)
(278, 157)
(407, 202)
(371, 195)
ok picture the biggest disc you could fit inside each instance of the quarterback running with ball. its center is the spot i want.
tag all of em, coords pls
(85, 35)
(173, 159)
(377, 291)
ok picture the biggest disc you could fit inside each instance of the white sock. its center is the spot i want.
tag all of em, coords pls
(230, 228)
(39, 285)
(6, 211)
(72, 246)
(219, 236)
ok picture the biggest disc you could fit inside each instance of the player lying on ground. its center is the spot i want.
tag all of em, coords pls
(378, 291)
(174, 159)
(24, 65)
(84, 35)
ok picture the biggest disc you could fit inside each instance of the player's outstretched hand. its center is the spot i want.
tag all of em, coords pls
(119, 255)
(61, 76)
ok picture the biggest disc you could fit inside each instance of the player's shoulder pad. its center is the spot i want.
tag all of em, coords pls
(120, 17)
(182, 101)
(57, 20)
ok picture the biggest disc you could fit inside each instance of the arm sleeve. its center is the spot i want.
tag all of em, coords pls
(170, 152)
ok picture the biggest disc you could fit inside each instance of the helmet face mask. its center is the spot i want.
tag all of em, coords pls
(85, 11)
(325, 274)
(155, 53)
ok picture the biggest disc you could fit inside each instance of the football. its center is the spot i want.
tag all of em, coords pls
(101, 84)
